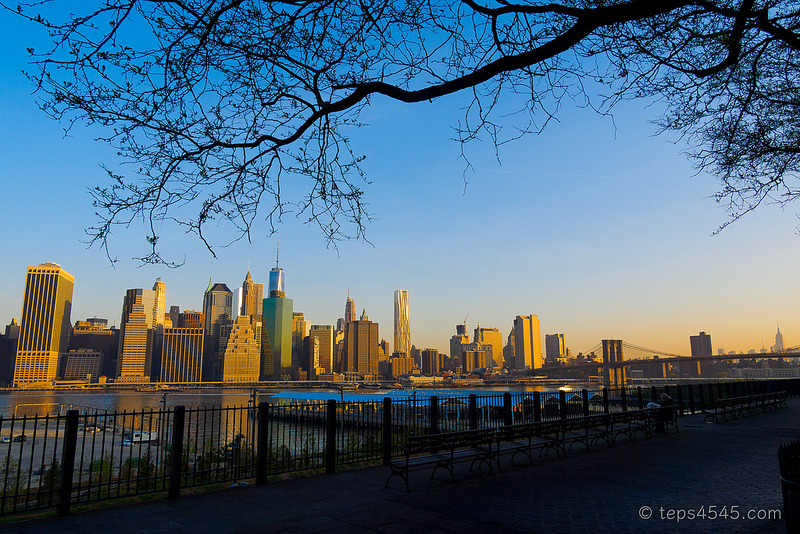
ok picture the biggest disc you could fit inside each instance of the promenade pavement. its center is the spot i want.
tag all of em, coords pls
(633, 487)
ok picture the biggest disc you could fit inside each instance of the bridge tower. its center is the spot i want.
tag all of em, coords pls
(613, 376)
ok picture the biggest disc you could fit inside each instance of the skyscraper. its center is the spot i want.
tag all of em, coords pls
(137, 332)
(324, 334)
(778, 347)
(349, 309)
(402, 325)
(277, 329)
(493, 337)
(242, 355)
(252, 297)
(182, 354)
(160, 304)
(527, 342)
(218, 312)
(45, 323)
(299, 332)
(555, 347)
(361, 347)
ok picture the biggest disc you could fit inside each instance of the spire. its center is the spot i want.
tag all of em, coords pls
(209, 285)
(364, 315)
(277, 253)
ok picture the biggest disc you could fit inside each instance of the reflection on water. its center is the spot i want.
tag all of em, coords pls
(30, 403)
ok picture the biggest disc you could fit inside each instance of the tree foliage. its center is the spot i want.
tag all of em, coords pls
(222, 102)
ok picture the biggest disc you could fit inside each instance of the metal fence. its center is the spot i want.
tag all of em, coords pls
(65, 460)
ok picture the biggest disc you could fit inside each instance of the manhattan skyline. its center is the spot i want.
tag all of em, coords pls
(596, 226)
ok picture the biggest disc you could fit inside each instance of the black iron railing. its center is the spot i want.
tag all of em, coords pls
(58, 461)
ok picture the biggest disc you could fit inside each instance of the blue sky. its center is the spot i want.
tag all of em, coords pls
(599, 227)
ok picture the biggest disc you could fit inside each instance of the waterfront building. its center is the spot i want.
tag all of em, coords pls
(242, 362)
(191, 319)
(94, 336)
(137, 333)
(460, 338)
(509, 357)
(555, 348)
(182, 353)
(493, 337)
(473, 359)
(218, 314)
(82, 364)
(323, 336)
(160, 304)
(45, 323)
(361, 347)
(402, 324)
(527, 342)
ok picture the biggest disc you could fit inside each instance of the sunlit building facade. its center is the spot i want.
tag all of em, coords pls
(137, 333)
(402, 324)
(242, 355)
(182, 354)
(45, 323)
(527, 342)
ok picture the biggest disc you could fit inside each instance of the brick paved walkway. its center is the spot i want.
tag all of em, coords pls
(732, 464)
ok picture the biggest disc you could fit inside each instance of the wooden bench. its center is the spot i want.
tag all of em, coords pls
(735, 407)
(665, 416)
(587, 430)
(444, 450)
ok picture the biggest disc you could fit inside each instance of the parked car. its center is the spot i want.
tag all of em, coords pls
(5, 439)
(20, 437)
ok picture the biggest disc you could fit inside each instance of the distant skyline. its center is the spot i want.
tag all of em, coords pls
(596, 226)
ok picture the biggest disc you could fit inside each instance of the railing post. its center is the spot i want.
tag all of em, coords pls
(330, 437)
(262, 450)
(178, 420)
(680, 400)
(585, 399)
(710, 393)
(623, 394)
(68, 462)
(473, 411)
(562, 404)
(507, 414)
(691, 398)
(701, 394)
(433, 416)
(387, 430)
(728, 390)
(639, 397)
(719, 390)
(605, 401)
(653, 394)
(537, 406)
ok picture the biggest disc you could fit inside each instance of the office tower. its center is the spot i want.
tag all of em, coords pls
(45, 323)
(402, 325)
(460, 338)
(242, 362)
(218, 313)
(137, 332)
(400, 365)
(299, 332)
(431, 363)
(276, 341)
(473, 359)
(324, 335)
(94, 336)
(252, 297)
(160, 289)
(555, 348)
(528, 342)
(361, 347)
(174, 315)
(385, 350)
(349, 309)
(182, 353)
(493, 337)
(8, 352)
(509, 356)
(81, 364)
(276, 280)
(191, 319)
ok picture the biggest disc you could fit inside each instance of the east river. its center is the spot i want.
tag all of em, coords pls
(19, 403)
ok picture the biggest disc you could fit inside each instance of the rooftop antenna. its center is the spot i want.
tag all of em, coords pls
(277, 252)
